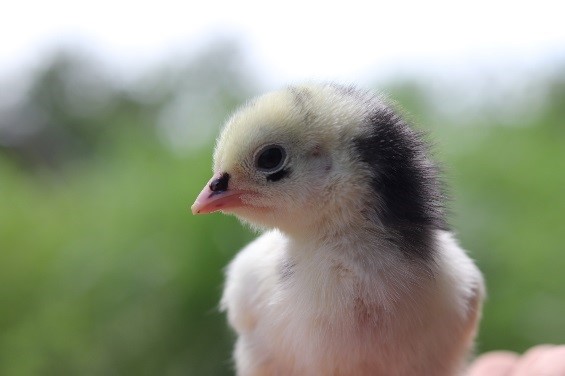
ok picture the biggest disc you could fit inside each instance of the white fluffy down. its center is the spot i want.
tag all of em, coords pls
(371, 326)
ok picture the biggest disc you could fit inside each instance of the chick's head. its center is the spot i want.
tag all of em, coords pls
(284, 159)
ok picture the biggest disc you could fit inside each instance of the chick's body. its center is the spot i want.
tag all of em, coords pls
(358, 274)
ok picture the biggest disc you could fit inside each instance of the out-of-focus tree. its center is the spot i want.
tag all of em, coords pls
(554, 108)
(75, 108)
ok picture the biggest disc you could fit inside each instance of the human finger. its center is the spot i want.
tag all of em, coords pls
(495, 363)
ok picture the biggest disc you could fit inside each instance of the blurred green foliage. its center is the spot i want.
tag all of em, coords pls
(104, 271)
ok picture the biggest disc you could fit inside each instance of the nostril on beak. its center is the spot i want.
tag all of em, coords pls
(220, 184)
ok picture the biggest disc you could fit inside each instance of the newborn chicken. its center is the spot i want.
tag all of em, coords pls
(357, 272)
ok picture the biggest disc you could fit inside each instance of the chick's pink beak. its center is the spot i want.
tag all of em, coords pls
(217, 195)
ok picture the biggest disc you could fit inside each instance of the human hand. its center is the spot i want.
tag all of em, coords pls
(542, 360)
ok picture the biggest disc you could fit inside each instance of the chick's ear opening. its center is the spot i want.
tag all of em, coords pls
(321, 158)
(316, 151)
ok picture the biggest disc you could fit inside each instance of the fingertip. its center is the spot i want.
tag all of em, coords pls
(542, 360)
(494, 363)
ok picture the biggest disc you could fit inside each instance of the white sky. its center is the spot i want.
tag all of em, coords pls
(294, 40)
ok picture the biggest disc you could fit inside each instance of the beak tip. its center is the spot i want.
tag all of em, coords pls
(216, 197)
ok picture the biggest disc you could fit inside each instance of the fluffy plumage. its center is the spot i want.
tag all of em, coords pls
(357, 272)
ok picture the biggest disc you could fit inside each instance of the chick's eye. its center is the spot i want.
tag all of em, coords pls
(270, 158)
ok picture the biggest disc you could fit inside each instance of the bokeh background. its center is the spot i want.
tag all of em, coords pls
(108, 113)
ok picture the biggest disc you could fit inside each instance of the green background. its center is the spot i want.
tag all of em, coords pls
(104, 271)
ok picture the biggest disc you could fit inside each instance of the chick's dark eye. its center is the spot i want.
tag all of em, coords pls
(271, 158)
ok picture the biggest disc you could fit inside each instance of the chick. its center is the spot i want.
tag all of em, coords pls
(357, 272)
